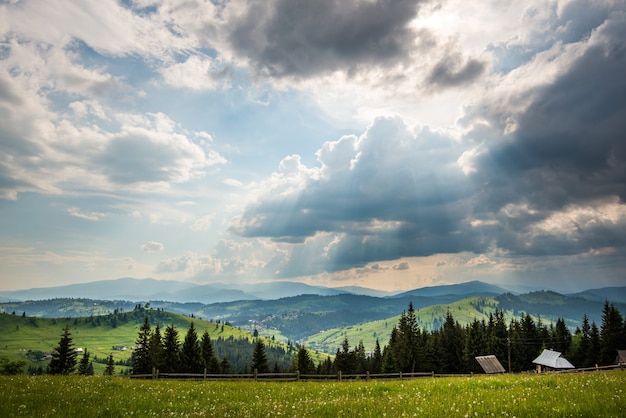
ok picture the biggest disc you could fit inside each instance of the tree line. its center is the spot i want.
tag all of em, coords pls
(452, 348)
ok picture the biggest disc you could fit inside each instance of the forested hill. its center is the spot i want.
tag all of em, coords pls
(31, 338)
(301, 317)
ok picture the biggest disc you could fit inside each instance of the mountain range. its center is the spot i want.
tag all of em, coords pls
(299, 312)
(175, 291)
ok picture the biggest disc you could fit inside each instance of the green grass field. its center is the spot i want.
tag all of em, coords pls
(600, 394)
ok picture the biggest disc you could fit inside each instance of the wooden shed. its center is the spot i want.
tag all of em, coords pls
(621, 357)
(490, 364)
(551, 360)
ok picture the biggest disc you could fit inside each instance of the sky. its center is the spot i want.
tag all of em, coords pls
(390, 144)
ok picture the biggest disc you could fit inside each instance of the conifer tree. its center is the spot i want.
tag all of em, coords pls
(156, 351)
(561, 337)
(303, 361)
(453, 342)
(259, 358)
(64, 356)
(190, 355)
(583, 337)
(171, 350)
(611, 337)
(141, 355)
(110, 369)
(497, 335)
(376, 365)
(84, 368)
(593, 356)
(208, 354)
(475, 342)
(224, 365)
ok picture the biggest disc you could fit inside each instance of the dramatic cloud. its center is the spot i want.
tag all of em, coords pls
(398, 143)
(300, 38)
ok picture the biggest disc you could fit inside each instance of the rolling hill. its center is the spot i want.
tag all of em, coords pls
(302, 317)
(29, 338)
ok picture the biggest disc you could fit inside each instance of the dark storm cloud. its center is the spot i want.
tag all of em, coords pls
(570, 145)
(569, 150)
(389, 193)
(449, 72)
(547, 188)
(301, 37)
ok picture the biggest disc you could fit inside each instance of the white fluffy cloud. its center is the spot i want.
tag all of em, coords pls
(152, 247)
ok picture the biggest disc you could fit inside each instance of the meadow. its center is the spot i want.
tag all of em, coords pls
(528, 395)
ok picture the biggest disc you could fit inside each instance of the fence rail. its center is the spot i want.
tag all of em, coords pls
(294, 377)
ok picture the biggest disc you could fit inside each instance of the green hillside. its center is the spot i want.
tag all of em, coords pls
(431, 317)
(28, 338)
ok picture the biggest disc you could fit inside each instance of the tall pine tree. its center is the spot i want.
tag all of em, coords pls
(110, 369)
(141, 354)
(259, 358)
(64, 356)
(156, 351)
(171, 350)
(611, 337)
(209, 359)
(190, 354)
(85, 367)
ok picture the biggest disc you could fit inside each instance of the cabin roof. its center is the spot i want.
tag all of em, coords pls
(553, 359)
(490, 364)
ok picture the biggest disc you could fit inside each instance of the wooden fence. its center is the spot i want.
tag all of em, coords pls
(295, 377)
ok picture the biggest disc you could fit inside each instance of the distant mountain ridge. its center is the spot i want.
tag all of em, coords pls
(168, 290)
(148, 289)
(470, 288)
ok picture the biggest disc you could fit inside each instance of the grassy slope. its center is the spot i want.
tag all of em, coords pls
(464, 311)
(19, 334)
(529, 395)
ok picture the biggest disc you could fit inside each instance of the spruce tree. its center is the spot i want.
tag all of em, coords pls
(208, 354)
(190, 355)
(561, 337)
(376, 364)
(224, 365)
(593, 355)
(171, 350)
(64, 356)
(141, 355)
(259, 358)
(303, 361)
(155, 349)
(611, 337)
(453, 342)
(110, 369)
(83, 365)
(475, 342)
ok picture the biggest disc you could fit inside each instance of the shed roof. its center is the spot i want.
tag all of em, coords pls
(553, 359)
(490, 364)
(621, 356)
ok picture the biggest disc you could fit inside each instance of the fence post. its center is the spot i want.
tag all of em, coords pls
(256, 372)
(204, 376)
(339, 375)
(154, 373)
(432, 373)
(297, 375)
(367, 375)
(400, 375)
